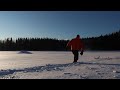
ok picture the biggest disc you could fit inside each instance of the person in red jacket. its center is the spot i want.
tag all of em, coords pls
(76, 45)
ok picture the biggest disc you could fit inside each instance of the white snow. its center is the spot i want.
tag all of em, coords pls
(58, 65)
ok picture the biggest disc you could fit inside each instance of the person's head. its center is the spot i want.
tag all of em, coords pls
(78, 36)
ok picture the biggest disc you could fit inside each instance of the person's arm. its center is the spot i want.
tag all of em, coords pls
(68, 46)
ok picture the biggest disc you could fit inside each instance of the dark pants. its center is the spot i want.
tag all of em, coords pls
(76, 55)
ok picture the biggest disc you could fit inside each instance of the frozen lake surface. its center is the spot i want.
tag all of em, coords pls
(14, 60)
(58, 65)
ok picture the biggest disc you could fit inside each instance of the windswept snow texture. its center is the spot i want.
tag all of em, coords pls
(58, 65)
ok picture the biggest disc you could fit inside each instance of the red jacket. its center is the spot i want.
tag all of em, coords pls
(75, 44)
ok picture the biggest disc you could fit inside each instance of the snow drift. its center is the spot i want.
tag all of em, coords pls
(24, 52)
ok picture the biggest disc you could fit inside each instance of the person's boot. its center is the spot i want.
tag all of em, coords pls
(74, 61)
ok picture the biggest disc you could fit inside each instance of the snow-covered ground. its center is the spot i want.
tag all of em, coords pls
(58, 65)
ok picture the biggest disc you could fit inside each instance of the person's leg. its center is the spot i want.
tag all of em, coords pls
(76, 55)
(75, 52)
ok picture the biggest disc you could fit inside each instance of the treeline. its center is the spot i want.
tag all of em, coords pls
(33, 44)
(106, 42)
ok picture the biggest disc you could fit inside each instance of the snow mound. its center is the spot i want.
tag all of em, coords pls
(106, 58)
(24, 52)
